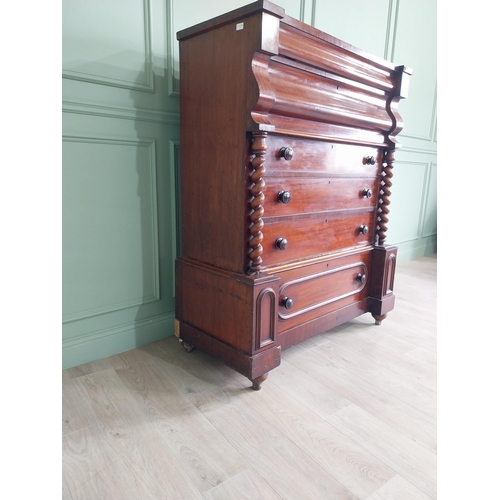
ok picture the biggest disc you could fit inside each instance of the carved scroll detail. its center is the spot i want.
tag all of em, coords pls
(384, 195)
(259, 149)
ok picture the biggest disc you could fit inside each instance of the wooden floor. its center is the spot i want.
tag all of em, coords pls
(349, 414)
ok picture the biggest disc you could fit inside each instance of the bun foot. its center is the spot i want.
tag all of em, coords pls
(187, 347)
(257, 382)
(379, 319)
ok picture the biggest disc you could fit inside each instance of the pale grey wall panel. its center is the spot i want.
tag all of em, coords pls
(119, 120)
(413, 208)
(429, 226)
(406, 206)
(108, 42)
(294, 8)
(415, 41)
(117, 54)
(415, 46)
(109, 208)
(104, 342)
(110, 229)
(363, 23)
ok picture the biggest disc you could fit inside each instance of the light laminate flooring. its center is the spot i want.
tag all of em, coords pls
(349, 414)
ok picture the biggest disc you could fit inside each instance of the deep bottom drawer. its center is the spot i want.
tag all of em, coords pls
(310, 291)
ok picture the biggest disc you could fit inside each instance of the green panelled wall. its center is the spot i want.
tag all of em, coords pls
(121, 145)
(120, 140)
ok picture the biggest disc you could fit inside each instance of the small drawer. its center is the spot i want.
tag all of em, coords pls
(310, 291)
(297, 239)
(298, 195)
(288, 154)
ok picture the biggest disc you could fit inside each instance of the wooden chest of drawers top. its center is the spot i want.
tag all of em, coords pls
(332, 104)
(278, 74)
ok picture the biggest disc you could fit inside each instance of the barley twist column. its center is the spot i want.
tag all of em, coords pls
(259, 149)
(384, 195)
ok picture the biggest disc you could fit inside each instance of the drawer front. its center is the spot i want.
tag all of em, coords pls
(310, 291)
(319, 157)
(298, 195)
(307, 237)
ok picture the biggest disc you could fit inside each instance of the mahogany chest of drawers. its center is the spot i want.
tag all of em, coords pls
(287, 149)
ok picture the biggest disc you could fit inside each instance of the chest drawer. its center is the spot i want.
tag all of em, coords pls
(291, 239)
(310, 291)
(297, 195)
(292, 155)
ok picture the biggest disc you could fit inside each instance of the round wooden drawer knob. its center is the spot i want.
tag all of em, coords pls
(286, 153)
(287, 302)
(370, 160)
(367, 193)
(284, 197)
(281, 244)
(364, 229)
(361, 278)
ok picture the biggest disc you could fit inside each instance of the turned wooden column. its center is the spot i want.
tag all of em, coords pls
(258, 152)
(384, 195)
